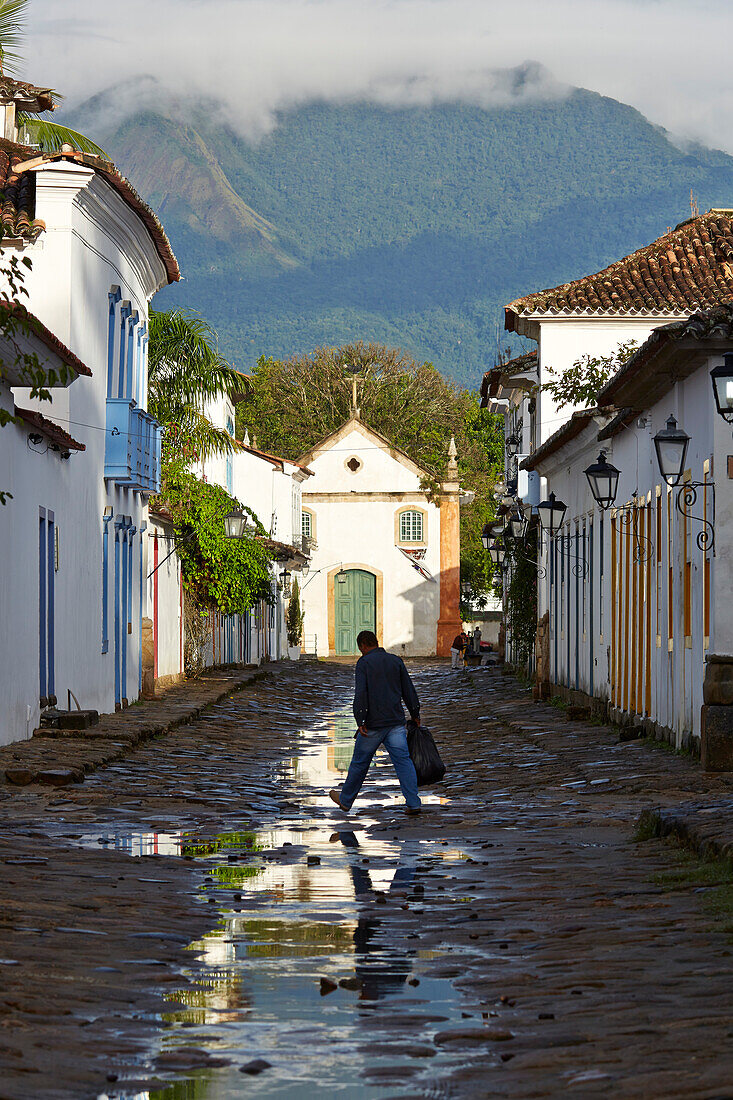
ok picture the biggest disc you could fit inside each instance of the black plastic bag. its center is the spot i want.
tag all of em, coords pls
(424, 754)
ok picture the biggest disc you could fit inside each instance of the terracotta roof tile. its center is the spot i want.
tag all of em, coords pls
(131, 197)
(47, 337)
(17, 194)
(687, 269)
(492, 378)
(48, 428)
(28, 97)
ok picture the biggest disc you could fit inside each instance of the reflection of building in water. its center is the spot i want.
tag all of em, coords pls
(341, 746)
(331, 758)
(149, 844)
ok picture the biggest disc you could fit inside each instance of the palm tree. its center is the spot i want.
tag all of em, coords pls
(37, 131)
(185, 371)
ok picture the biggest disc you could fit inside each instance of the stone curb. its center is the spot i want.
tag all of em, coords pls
(706, 828)
(60, 757)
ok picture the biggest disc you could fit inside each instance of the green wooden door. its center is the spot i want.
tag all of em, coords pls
(355, 607)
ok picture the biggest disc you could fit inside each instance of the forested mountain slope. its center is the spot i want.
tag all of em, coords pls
(407, 226)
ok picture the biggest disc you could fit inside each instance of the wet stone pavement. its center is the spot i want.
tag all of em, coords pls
(197, 921)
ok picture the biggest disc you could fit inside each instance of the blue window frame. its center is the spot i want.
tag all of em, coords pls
(113, 297)
(105, 583)
(125, 311)
(143, 527)
(42, 653)
(131, 363)
(119, 532)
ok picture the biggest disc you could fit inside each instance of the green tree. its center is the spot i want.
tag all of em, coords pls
(294, 620)
(580, 384)
(185, 371)
(37, 131)
(291, 404)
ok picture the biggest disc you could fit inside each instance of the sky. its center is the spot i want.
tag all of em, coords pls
(668, 58)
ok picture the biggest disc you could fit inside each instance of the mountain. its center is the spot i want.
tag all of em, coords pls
(411, 226)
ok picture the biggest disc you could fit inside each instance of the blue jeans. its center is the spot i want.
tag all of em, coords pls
(394, 740)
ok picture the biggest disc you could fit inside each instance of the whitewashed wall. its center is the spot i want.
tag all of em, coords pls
(93, 240)
(581, 608)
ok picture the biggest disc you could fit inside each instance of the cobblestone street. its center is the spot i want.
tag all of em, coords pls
(197, 920)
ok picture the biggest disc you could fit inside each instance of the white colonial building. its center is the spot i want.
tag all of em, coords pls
(271, 488)
(687, 269)
(384, 555)
(81, 467)
(639, 596)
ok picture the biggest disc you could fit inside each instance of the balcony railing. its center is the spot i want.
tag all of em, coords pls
(133, 453)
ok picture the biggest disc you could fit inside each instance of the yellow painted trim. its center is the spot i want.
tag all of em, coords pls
(706, 466)
(355, 495)
(659, 641)
(417, 545)
(312, 514)
(670, 645)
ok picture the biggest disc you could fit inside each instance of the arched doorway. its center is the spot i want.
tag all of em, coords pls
(355, 608)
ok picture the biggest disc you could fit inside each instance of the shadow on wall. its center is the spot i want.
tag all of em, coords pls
(424, 597)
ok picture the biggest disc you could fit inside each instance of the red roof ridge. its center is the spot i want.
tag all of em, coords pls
(124, 188)
(688, 268)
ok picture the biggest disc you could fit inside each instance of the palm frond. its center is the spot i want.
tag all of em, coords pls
(201, 434)
(185, 364)
(52, 135)
(12, 34)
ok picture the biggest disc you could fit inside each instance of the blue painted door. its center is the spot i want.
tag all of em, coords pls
(355, 608)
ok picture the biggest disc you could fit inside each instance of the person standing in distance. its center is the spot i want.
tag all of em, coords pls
(382, 682)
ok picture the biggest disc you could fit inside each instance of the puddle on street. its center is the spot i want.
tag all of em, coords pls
(297, 901)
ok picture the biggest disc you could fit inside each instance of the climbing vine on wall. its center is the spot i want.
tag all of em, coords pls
(521, 599)
(219, 574)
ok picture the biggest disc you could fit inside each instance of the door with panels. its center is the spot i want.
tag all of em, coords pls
(355, 608)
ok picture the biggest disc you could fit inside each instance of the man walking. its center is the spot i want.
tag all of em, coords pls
(382, 682)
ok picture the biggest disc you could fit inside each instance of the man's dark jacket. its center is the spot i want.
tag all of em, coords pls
(382, 681)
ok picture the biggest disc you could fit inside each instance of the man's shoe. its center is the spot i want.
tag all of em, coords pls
(413, 811)
(334, 796)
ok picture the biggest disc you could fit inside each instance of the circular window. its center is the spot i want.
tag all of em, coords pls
(354, 464)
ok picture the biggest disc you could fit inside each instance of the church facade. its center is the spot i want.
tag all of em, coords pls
(385, 556)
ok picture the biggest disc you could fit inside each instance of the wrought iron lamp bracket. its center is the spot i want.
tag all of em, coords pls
(686, 500)
(564, 544)
(628, 518)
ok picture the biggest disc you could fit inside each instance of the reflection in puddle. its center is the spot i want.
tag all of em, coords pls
(302, 970)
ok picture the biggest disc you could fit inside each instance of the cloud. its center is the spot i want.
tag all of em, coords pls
(257, 57)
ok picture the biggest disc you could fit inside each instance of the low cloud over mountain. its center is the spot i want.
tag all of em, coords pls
(258, 57)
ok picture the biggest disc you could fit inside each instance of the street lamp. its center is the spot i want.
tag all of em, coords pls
(236, 523)
(305, 569)
(671, 447)
(551, 514)
(486, 536)
(722, 379)
(497, 553)
(517, 525)
(603, 481)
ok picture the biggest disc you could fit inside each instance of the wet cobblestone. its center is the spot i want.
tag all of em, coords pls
(513, 941)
